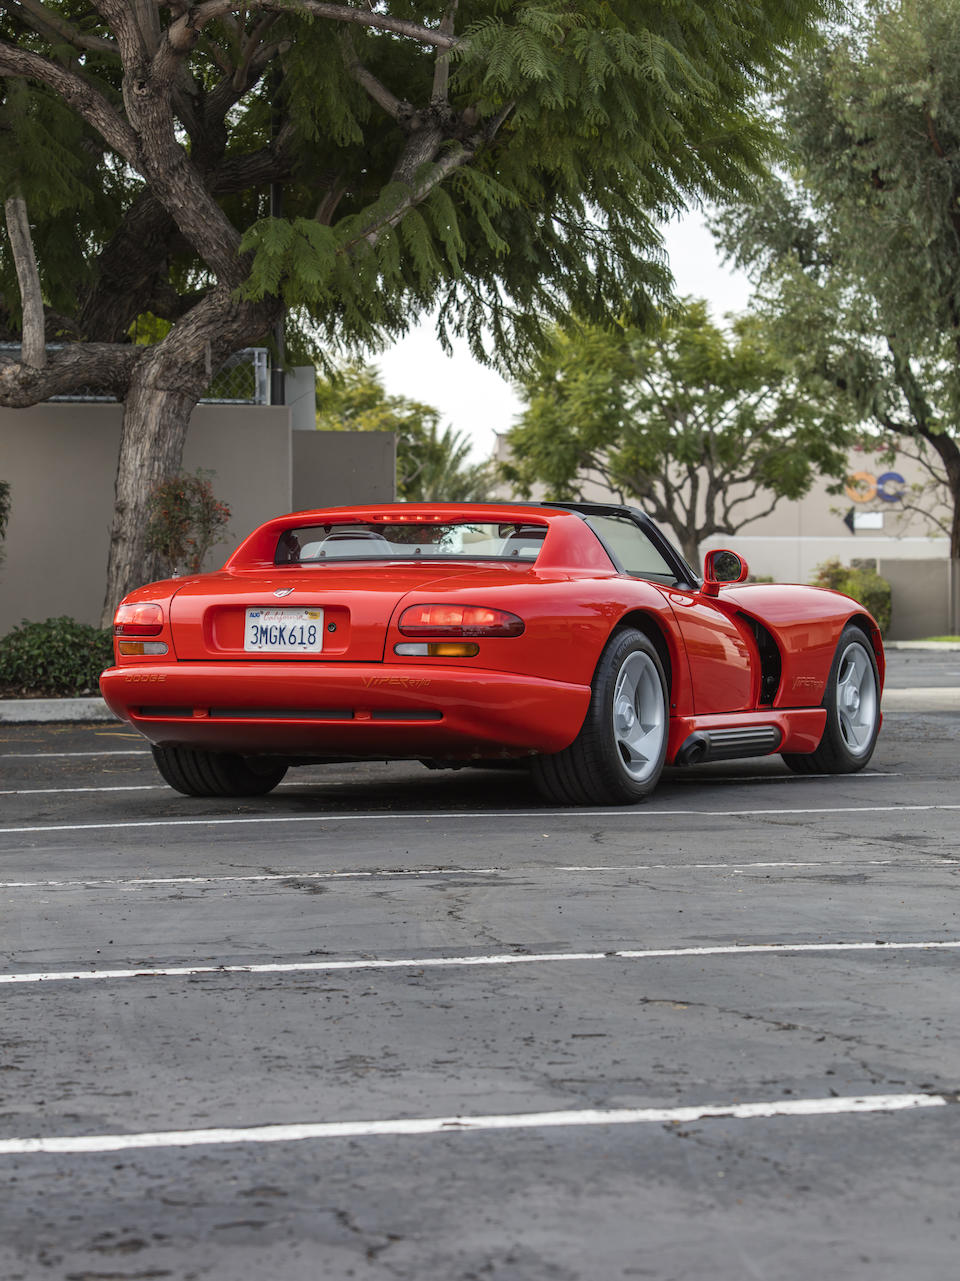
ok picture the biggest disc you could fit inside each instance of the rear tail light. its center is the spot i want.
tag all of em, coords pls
(458, 620)
(138, 620)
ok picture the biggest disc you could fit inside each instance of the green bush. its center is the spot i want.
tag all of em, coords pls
(864, 585)
(58, 658)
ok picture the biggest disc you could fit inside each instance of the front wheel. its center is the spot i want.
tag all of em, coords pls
(852, 702)
(618, 756)
(217, 773)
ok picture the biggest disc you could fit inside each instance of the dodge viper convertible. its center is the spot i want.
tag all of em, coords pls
(568, 638)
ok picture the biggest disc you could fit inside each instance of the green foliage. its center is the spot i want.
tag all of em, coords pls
(501, 185)
(857, 252)
(864, 585)
(184, 520)
(704, 427)
(433, 464)
(567, 133)
(59, 658)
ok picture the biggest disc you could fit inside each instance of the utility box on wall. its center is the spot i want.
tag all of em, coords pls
(61, 459)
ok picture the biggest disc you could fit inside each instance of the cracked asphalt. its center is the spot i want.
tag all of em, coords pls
(377, 944)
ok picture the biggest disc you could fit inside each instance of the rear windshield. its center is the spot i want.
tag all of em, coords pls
(459, 540)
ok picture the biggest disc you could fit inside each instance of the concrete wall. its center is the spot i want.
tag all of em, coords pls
(60, 460)
(337, 468)
(922, 597)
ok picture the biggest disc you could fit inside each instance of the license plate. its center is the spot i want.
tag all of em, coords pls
(284, 631)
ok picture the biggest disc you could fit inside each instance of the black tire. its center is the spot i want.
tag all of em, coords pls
(217, 773)
(852, 701)
(618, 756)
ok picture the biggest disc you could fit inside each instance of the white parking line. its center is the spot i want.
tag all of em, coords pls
(68, 791)
(113, 751)
(433, 816)
(320, 783)
(517, 869)
(415, 1126)
(450, 962)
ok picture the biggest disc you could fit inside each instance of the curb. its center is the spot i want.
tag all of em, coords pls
(932, 647)
(32, 711)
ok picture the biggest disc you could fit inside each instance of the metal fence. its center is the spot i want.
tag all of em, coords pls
(244, 379)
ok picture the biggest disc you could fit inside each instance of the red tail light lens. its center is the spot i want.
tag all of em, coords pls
(138, 620)
(459, 620)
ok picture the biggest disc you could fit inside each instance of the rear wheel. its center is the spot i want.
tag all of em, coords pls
(852, 702)
(618, 756)
(216, 773)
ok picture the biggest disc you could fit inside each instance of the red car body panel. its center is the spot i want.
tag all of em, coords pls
(518, 695)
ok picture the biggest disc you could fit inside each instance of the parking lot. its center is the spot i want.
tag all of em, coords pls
(396, 1023)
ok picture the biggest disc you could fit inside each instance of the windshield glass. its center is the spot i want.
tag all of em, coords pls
(458, 540)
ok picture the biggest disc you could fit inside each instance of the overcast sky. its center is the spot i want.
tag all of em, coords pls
(478, 402)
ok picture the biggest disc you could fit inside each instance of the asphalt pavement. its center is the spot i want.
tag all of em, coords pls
(388, 1023)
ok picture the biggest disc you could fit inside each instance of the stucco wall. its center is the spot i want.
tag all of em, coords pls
(60, 460)
(336, 468)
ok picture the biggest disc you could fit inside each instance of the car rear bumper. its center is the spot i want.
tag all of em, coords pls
(345, 709)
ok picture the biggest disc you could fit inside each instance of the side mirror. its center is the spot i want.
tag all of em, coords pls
(722, 566)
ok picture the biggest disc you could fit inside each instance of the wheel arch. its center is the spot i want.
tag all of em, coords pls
(869, 627)
(654, 631)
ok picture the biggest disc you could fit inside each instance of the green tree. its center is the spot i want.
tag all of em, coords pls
(433, 464)
(704, 427)
(500, 162)
(857, 250)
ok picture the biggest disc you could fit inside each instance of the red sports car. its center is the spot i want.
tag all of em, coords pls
(572, 638)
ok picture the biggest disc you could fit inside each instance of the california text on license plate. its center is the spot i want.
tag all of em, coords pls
(284, 630)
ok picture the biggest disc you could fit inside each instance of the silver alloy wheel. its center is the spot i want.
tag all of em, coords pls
(639, 716)
(857, 700)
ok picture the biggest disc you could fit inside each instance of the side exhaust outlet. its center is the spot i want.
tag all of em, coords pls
(693, 750)
(728, 744)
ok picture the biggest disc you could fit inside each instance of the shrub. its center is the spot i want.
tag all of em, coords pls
(58, 658)
(864, 585)
(184, 520)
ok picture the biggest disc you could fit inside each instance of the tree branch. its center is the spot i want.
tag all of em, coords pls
(380, 94)
(106, 366)
(39, 17)
(76, 92)
(455, 157)
(33, 350)
(182, 33)
(441, 71)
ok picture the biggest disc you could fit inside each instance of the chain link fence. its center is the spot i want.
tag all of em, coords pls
(244, 379)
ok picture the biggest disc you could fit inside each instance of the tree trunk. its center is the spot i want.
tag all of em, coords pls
(155, 422)
(690, 547)
(165, 386)
(949, 451)
(33, 350)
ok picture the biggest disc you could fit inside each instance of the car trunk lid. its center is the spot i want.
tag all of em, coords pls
(302, 614)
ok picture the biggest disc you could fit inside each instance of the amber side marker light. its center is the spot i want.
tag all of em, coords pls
(438, 649)
(448, 621)
(140, 649)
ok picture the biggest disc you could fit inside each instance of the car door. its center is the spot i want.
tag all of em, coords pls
(722, 655)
